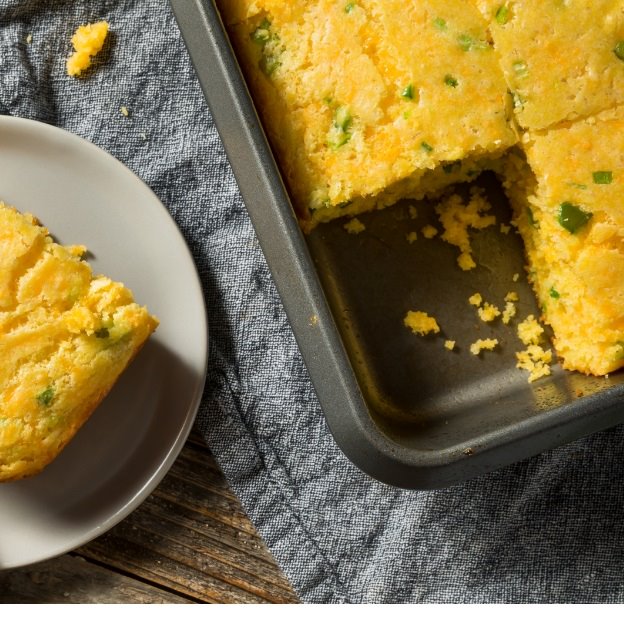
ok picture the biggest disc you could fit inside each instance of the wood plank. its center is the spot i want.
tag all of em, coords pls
(171, 537)
(224, 509)
(191, 538)
(214, 531)
(151, 564)
(178, 544)
(71, 579)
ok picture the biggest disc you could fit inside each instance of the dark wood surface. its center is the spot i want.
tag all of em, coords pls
(190, 541)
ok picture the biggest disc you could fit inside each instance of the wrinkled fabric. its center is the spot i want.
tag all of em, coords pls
(546, 530)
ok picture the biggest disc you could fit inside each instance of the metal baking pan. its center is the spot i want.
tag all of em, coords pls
(402, 408)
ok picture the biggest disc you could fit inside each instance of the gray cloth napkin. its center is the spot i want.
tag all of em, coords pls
(549, 529)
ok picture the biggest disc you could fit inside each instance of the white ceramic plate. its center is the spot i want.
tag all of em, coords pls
(83, 195)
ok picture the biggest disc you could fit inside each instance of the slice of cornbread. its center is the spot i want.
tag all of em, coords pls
(563, 59)
(569, 210)
(65, 337)
(367, 102)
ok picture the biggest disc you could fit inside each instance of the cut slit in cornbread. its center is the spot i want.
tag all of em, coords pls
(567, 196)
(65, 337)
(562, 59)
(386, 100)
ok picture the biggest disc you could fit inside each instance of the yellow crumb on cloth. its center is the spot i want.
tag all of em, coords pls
(534, 358)
(355, 226)
(411, 237)
(88, 40)
(449, 344)
(483, 344)
(457, 217)
(421, 323)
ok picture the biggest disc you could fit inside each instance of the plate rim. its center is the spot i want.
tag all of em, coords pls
(177, 443)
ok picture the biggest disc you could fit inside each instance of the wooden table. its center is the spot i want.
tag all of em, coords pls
(190, 541)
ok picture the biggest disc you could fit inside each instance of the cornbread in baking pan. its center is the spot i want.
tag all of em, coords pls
(562, 59)
(567, 194)
(65, 337)
(371, 101)
(367, 102)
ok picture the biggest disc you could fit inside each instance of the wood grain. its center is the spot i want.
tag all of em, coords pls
(189, 541)
(71, 579)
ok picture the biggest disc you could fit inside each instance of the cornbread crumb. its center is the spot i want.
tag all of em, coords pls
(449, 344)
(488, 312)
(124, 111)
(355, 226)
(534, 358)
(486, 344)
(509, 312)
(28, 38)
(475, 300)
(413, 212)
(457, 217)
(421, 323)
(88, 40)
(530, 331)
(465, 261)
(504, 228)
(429, 231)
(511, 296)
(412, 237)
(313, 320)
(516, 277)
